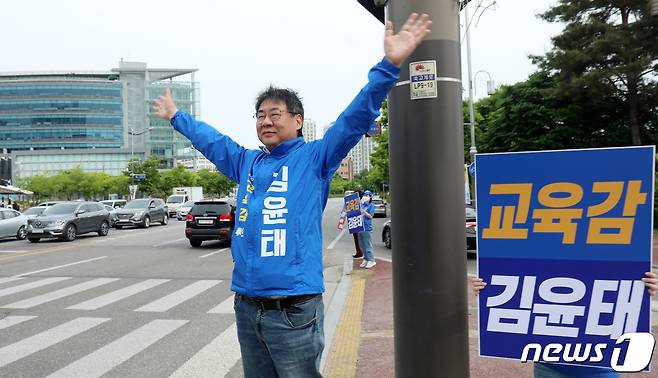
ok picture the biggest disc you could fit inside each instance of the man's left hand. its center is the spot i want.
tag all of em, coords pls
(398, 47)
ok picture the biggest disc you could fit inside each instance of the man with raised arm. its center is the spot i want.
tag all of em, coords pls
(283, 189)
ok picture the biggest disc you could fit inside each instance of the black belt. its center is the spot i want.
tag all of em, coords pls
(277, 303)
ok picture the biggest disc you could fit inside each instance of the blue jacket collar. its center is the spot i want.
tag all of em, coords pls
(284, 147)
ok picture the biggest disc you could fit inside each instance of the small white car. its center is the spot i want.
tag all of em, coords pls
(12, 224)
(34, 211)
(182, 211)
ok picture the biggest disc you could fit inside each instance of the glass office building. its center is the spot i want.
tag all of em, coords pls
(52, 121)
(40, 112)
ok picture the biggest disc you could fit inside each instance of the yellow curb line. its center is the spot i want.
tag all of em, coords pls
(344, 353)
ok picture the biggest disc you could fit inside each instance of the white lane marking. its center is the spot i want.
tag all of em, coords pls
(61, 266)
(174, 299)
(31, 285)
(333, 243)
(213, 253)
(168, 242)
(13, 320)
(10, 279)
(384, 259)
(215, 359)
(8, 251)
(117, 295)
(226, 307)
(57, 294)
(130, 233)
(113, 354)
(43, 340)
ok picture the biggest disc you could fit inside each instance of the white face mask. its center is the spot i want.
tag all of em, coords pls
(365, 199)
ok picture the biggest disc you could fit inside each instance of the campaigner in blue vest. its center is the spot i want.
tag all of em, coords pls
(283, 189)
(365, 237)
(550, 370)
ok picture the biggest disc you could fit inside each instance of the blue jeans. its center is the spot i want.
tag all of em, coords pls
(281, 343)
(365, 241)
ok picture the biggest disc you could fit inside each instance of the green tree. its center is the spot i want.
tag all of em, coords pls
(534, 115)
(151, 184)
(39, 185)
(379, 172)
(174, 177)
(119, 185)
(214, 183)
(338, 184)
(608, 49)
(362, 181)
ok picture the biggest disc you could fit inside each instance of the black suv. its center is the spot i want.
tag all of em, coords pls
(209, 220)
(66, 220)
(141, 212)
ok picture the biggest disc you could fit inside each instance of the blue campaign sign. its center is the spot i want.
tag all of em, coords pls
(375, 129)
(353, 213)
(564, 239)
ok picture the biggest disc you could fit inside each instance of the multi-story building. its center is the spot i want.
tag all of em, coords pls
(360, 154)
(309, 130)
(346, 169)
(194, 160)
(50, 121)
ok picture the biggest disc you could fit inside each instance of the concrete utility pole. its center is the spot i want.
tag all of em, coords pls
(426, 139)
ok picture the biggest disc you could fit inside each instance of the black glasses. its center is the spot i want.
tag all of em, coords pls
(274, 115)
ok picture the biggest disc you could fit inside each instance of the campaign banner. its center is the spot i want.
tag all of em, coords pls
(564, 239)
(353, 213)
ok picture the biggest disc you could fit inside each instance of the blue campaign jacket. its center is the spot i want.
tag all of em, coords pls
(367, 222)
(277, 241)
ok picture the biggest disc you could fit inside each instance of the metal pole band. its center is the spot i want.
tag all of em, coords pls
(407, 82)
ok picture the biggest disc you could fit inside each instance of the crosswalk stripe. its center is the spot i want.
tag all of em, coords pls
(13, 320)
(215, 359)
(117, 295)
(106, 358)
(43, 340)
(10, 279)
(174, 299)
(57, 294)
(226, 307)
(31, 285)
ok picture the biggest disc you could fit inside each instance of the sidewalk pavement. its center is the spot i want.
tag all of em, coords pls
(362, 344)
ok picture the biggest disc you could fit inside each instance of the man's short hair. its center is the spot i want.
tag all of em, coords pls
(285, 95)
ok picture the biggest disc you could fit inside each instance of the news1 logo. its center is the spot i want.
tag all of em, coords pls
(631, 352)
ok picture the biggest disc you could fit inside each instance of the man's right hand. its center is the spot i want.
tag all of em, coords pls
(164, 107)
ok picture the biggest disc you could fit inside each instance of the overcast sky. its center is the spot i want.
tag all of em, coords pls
(323, 49)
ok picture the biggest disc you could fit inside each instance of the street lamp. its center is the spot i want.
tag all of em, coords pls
(471, 85)
(491, 85)
(473, 150)
(132, 134)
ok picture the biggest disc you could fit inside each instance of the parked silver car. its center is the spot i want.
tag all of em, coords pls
(113, 214)
(66, 220)
(141, 212)
(12, 224)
